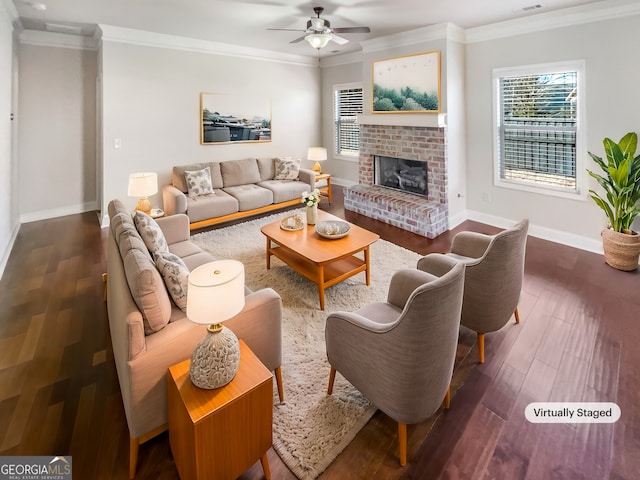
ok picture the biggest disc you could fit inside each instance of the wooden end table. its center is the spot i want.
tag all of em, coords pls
(325, 191)
(219, 434)
(324, 262)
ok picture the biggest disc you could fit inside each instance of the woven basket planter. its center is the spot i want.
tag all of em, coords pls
(621, 250)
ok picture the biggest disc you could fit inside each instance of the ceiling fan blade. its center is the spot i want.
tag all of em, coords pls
(351, 30)
(299, 39)
(286, 29)
(338, 40)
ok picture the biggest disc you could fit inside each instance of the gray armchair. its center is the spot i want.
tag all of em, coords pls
(400, 353)
(493, 278)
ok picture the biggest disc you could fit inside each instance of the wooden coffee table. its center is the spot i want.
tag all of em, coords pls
(325, 262)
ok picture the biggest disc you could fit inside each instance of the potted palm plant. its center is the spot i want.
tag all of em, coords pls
(621, 183)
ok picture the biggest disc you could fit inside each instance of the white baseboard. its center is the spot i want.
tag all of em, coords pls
(7, 252)
(458, 218)
(342, 182)
(558, 236)
(58, 212)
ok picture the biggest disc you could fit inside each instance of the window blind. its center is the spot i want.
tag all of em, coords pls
(347, 104)
(537, 129)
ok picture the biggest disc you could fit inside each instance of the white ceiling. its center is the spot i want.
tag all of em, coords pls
(245, 22)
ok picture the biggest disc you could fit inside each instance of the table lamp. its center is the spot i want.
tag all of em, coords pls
(143, 185)
(317, 154)
(215, 293)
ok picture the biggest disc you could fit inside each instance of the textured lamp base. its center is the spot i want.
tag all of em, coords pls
(215, 360)
(144, 205)
(316, 168)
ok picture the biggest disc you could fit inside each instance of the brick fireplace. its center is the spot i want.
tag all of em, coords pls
(426, 216)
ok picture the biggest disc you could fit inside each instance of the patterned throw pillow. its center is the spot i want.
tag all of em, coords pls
(175, 275)
(287, 168)
(198, 182)
(150, 232)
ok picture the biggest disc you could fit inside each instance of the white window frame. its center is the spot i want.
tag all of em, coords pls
(578, 66)
(343, 86)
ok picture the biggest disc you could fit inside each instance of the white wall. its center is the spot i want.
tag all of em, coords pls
(342, 170)
(151, 103)
(57, 131)
(8, 150)
(456, 132)
(612, 105)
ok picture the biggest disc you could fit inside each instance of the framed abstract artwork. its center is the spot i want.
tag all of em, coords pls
(409, 84)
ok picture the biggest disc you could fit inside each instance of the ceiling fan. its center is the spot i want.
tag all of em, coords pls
(319, 32)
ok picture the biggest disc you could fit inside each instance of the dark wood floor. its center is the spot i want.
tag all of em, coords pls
(578, 341)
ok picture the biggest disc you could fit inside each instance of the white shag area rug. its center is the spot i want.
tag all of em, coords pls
(310, 429)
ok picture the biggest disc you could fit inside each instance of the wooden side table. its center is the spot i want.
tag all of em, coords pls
(218, 434)
(325, 191)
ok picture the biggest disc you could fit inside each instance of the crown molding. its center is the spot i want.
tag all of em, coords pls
(592, 12)
(8, 9)
(55, 39)
(131, 36)
(343, 59)
(441, 31)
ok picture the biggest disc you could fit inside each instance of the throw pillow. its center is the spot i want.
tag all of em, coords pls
(175, 275)
(147, 290)
(198, 182)
(150, 232)
(287, 168)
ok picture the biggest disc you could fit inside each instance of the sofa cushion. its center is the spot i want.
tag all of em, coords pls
(250, 196)
(192, 255)
(175, 275)
(217, 204)
(119, 222)
(239, 172)
(287, 168)
(285, 190)
(198, 182)
(178, 180)
(266, 166)
(148, 290)
(150, 232)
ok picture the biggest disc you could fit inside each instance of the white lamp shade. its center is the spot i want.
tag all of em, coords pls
(143, 184)
(317, 154)
(318, 40)
(215, 292)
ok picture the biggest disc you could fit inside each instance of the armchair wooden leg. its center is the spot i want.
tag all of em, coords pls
(104, 280)
(447, 398)
(481, 347)
(517, 315)
(402, 440)
(278, 372)
(265, 466)
(133, 456)
(332, 378)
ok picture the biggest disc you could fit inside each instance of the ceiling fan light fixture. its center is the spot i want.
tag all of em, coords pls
(318, 40)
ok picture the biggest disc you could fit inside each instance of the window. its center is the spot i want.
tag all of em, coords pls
(538, 141)
(347, 103)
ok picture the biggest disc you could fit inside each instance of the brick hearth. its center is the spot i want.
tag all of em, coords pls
(427, 216)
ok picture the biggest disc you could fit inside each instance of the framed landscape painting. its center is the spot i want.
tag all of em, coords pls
(408, 84)
(226, 118)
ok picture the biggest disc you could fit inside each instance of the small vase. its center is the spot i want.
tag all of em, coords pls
(312, 214)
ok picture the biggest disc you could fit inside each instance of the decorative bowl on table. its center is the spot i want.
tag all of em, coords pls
(332, 229)
(292, 223)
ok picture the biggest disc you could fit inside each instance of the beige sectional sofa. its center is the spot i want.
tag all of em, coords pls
(149, 332)
(238, 188)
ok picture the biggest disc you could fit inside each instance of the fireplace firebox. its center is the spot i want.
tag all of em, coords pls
(408, 176)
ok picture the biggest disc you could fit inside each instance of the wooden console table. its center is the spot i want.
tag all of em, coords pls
(218, 434)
